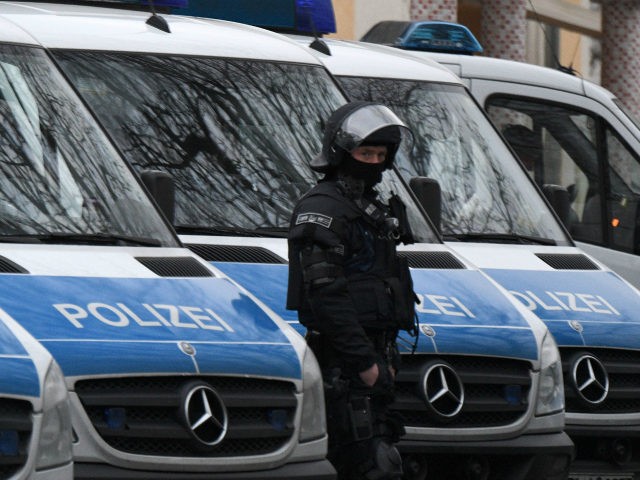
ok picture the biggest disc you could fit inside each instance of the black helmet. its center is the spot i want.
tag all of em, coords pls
(360, 123)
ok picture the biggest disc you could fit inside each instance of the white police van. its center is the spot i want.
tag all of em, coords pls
(173, 370)
(234, 114)
(35, 423)
(571, 132)
(493, 214)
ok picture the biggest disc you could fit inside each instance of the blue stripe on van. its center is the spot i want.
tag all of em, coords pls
(606, 307)
(19, 377)
(127, 325)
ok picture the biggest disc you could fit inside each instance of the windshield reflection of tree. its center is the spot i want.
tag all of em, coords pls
(237, 136)
(39, 192)
(449, 146)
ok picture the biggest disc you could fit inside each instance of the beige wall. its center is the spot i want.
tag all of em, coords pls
(355, 17)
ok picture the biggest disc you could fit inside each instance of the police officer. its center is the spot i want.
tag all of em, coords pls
(352, 291)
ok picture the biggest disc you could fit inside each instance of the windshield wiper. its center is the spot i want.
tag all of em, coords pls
(499, 238)
(279, 232)
(81, 238)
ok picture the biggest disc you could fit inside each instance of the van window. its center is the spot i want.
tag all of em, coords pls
(60, 180)
(579, 151)
(237, 135)
(485, 195)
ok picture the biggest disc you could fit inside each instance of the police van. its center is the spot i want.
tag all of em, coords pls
(35, 423)
(570, 132)
(234, 114)
(493, 213)
(172, 369)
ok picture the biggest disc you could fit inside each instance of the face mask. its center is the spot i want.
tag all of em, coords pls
(369, 173)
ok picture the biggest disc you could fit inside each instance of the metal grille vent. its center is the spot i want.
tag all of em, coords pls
(235, 253)
(443, 260)
(7, 266)
(567, 261)
(175, 266)
(15, 416)
(151, 424)
(485, 381)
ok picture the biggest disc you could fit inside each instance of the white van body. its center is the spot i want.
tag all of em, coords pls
(237, 131)
(35, 421)
(523, 246)
(172, 369)
(618, 154)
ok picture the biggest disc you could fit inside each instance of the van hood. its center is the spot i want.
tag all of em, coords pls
(114, 326)
(19, 374)
(580, 308)
(461, 311)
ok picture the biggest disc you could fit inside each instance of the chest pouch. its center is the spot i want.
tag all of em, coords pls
(404, 298)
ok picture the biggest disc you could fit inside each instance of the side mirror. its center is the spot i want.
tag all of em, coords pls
(558, 197)
(162, 189)
(427, 191)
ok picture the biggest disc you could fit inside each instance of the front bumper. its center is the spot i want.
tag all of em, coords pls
(527, 457)
(320, 469)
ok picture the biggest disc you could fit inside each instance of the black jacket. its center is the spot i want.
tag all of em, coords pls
(353, 306)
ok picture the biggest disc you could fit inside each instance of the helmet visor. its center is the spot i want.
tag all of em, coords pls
(367, 120)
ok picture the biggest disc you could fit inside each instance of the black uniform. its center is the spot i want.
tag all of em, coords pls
(353, 293)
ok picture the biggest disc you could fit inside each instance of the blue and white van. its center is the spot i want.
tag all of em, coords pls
(234, 114)
(172, 369)
(35, 422)
(495, 215)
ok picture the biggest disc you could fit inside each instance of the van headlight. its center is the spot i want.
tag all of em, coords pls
(313, 423)
(551, 388)
(54, 445)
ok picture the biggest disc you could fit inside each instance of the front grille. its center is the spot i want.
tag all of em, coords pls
(175, 266)
(235, 253)
(623, 369)
(567, 261)
(443, 260)
(496, 391)
(15, 426)
(148, 420)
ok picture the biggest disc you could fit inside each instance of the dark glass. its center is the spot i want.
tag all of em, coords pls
(61, 181)
(237, 135)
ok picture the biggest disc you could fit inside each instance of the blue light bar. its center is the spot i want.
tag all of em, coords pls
(315, 16)
(304, 16)
(439, 37)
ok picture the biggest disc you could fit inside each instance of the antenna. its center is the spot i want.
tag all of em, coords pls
(559, 66)
(317, 44)
(157, 21)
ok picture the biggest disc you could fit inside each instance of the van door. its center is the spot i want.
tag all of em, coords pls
(574, 144)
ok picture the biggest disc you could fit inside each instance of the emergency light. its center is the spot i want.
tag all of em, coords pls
(432, 36)
(304, 16)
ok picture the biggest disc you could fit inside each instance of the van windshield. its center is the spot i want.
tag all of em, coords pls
(236, 135)
(61, 181)
(486, 196)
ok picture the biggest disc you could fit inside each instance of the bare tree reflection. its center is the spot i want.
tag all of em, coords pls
(477, 195)
(227, 130)
(55, 173)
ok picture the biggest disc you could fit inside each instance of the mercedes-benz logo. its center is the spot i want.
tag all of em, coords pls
(204, 414)
(590, 379)
(443, 390)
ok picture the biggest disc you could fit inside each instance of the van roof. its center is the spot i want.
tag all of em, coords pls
(101, 28)
(517, 72)
(358, 59)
